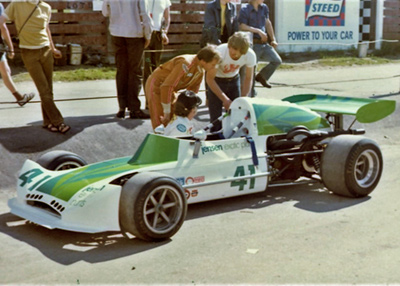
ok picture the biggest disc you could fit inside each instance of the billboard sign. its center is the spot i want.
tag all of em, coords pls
(310, 25)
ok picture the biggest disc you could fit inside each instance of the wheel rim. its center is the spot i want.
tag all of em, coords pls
(68, 165)
(163, 209)
(367, 168)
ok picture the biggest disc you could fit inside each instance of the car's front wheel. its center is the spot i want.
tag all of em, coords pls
(351, 166)
(152, 206)
(60, 160)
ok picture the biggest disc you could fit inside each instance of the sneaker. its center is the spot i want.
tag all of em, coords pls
(263, 82)
(25, 99)
(138, 114)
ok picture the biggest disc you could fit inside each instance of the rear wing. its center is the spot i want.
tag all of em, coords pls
(364, 109)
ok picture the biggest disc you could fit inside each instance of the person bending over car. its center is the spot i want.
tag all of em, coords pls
(223, 82)
(181, 72)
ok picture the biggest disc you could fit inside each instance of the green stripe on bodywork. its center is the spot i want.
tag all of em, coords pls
(153, 150)
(273, 119)
(366, 110)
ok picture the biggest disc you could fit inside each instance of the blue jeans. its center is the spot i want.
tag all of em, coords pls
(231, 88)
(267, 53)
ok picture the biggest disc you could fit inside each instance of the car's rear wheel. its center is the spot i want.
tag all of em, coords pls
(60, 160)
(152, 206)
(351, 166)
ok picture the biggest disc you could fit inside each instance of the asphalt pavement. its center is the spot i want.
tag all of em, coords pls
(277, 237)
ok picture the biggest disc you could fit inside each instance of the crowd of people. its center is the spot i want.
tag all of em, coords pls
(230, 46)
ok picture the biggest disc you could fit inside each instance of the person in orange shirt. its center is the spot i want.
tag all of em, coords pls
(181, 72)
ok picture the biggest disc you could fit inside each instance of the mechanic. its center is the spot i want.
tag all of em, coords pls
(220, 22)
(130, 28)
(181, 72)
(5, 70)
(185, 110)
(223, 82)
(254, 18)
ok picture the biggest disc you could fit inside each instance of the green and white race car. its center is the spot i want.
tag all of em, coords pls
(264, 143)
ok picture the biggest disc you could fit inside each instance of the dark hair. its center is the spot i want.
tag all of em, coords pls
(187, 100)
(209, 53)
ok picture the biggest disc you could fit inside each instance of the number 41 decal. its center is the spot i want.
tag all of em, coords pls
(242, 182)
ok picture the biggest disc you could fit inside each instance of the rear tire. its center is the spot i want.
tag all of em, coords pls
(152, 206)
(351, 166)
(61, 160)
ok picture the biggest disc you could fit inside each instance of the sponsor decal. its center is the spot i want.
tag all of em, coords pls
(191, 194)
(214, 148)
(194, 180)
(187, 194)
(181, 128)
(181, 180)
(225, 147)
(325, 13)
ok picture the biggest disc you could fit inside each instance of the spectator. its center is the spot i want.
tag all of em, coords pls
(159, 12)
(5, 70)
(38, 53)
(185, 109)
(130, 28)
(220, 22)
(254, 18)
(181, 72)
(223, 83)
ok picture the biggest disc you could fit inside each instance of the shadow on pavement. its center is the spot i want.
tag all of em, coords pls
(34, 138)
(313, 198)
(67, 247)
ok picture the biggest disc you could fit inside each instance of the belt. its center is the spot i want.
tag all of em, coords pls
(227, 78)
(258, 42)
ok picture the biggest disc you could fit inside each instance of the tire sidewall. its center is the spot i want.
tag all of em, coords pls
(52, 160)
(133, 197)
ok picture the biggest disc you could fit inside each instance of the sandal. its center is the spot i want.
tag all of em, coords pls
(25, 99)
(51, 128)
(63, 128)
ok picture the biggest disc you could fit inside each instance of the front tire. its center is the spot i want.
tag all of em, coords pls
(152, 206)
(61, 160)
(351, 166)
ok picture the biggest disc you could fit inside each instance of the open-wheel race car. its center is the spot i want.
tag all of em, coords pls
(263, 143)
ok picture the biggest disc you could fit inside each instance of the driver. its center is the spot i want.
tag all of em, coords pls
(185, 109)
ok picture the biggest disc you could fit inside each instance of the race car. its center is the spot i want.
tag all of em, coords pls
(263, 143)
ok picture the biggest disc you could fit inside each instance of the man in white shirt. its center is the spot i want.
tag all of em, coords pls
(223, 82)
(130, 28)
(159, 12)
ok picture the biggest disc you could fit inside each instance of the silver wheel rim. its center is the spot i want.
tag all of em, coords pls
(163, 209)
(68, 165)
(367, 168)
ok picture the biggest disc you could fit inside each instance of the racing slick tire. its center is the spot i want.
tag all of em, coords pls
(152, 206)
(60, 160)
(351, 166)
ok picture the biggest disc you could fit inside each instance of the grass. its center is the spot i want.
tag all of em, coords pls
(75, 74)
(322, 59)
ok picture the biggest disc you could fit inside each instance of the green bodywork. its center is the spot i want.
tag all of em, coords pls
(280, 118)
(364, 109)
(151, 152)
